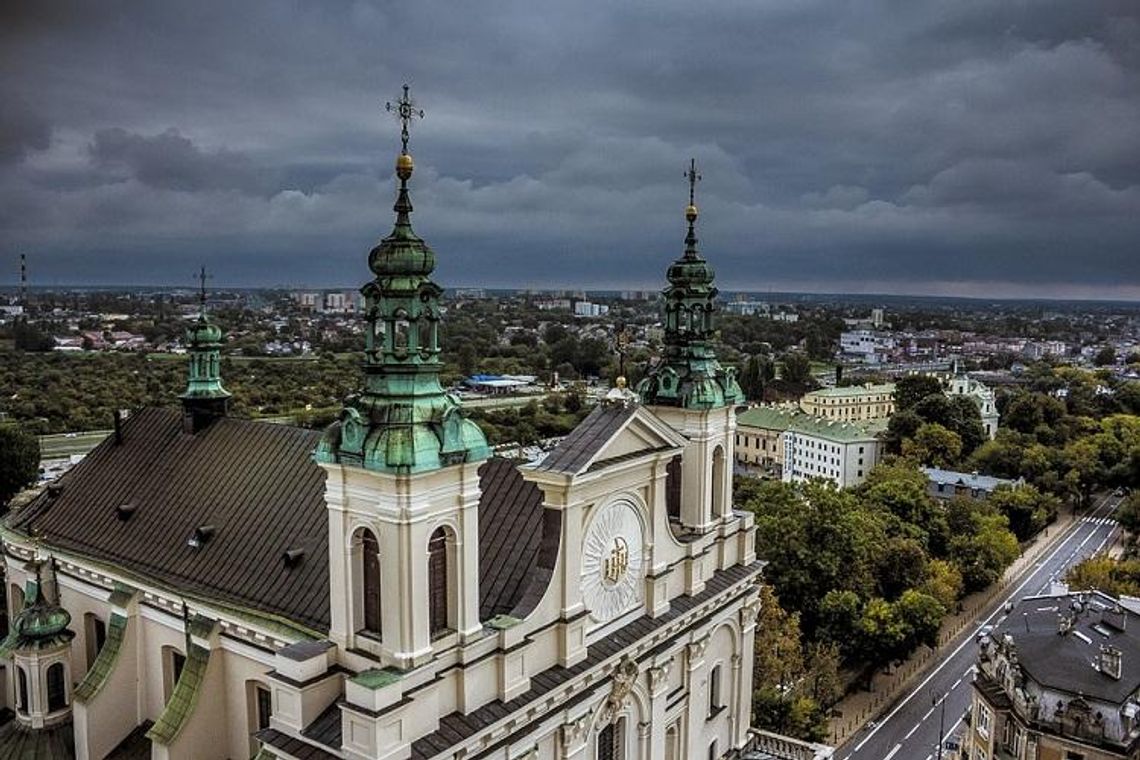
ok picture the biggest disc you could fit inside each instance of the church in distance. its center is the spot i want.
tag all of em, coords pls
(203, 586)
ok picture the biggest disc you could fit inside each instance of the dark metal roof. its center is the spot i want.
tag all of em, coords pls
(257, 485)
(511, 529)
(1064, 662)
(254, 482)
(576, 449)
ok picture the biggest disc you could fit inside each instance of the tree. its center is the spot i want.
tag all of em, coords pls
(921, 616)
(934, 445)
(943, 582)
(983, 556)
(795, 368)
(757, 373)
(1116, 577)
(1105, 357)
(1129, 515)
(1027, 509)
(911, 389)
(19, 461)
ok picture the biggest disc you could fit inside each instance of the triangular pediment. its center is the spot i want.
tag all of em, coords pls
(611, 433)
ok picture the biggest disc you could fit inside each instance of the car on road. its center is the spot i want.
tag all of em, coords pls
(983, 632)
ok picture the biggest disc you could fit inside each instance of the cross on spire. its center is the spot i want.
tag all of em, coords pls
(694, 178)
(405, 110)
(202, 277)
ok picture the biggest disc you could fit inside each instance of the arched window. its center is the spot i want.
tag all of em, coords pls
(714, 691)
(56, 688)
(673, 488)
(368, 571)
(718, 482)
(22, 693)
(611, 741)
(95, 634)
(438, 581)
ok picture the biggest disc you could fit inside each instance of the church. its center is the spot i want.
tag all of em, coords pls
(202, 586)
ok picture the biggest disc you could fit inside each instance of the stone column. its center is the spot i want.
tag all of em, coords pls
(696, 707)
(658, 695)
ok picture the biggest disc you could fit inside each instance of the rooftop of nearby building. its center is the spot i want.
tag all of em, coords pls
(967, 479)
(835, 430)
(1060, 642)
(768, 417)
(783, 418)
(852, 391)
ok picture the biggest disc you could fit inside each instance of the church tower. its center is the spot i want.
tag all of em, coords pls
(402, 464)
(689, 389)
(204, 398)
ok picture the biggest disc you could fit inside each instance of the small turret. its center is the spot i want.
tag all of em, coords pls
(204, 399)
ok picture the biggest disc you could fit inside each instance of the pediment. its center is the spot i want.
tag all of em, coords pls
(611, 433)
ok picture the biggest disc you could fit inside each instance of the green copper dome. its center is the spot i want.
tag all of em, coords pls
(40, 625)
(689, 374)
(402, 421)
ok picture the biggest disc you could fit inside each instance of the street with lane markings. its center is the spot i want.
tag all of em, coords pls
(909, 729)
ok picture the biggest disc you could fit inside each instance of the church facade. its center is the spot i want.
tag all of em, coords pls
(202, 586)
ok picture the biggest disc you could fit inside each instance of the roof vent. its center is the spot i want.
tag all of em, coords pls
(292, 557)
(202, 534)
(54, 489)
(124, 511)
(1114, 617)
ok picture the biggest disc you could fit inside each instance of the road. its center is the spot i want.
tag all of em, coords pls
(909, 731)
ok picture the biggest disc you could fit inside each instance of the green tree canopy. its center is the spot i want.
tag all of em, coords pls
(19, 461)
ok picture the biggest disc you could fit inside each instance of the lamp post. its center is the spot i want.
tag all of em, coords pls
(941, 722)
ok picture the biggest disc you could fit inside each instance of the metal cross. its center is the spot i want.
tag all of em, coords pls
(405, 110)
(694, 178)
(202, 277)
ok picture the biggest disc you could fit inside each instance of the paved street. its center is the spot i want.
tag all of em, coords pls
(909, 730)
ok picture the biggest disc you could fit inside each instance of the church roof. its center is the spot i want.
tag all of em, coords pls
(246, 492)
(575, 450)
(137, 505)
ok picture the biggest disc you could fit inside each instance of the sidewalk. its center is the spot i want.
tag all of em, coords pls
(858, 707)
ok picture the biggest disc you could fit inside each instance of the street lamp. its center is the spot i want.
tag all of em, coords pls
(941, 723)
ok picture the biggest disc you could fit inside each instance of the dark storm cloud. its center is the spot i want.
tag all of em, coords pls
(982, 145)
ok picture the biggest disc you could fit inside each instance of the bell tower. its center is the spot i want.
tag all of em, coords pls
(402, 461)
(689, 389)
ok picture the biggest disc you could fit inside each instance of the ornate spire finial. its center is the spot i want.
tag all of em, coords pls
(691, 211)
(202, 277)
(405, 110)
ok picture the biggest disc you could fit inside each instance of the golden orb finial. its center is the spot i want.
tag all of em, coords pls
(691, 212)
(404, 165)
(621, 382)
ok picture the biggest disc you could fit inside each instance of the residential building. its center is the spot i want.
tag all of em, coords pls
(842, 452)
(590, 309)
(759, 437)
(946, 484)
(1058, 679)
(867, 346)
(853, 403)
(204, 587)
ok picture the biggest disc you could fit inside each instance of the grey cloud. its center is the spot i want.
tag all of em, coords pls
(881, 142)
(170, 161)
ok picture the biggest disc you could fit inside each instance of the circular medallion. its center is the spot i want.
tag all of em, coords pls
(612, 561)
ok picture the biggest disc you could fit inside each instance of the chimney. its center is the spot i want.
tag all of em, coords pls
(1114, 617)
(1110, 662)
(120, 416)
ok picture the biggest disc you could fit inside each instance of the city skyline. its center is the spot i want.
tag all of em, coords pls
(981, 151)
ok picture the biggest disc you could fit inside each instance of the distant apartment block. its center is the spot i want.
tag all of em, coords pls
(590, 309)
(867, 346)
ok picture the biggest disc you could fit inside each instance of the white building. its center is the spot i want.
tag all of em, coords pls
(590, 309)
(982, 396)
(866, 345)
(842, 452)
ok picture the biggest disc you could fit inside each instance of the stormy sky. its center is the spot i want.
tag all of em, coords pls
(973, 147)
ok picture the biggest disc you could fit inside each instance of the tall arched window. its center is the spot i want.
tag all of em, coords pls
(718, 482)
(611, 740)
(369, 574)
(56, 688)
(22, 692)
(437, 581)
(673, 488)
(714, 691)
